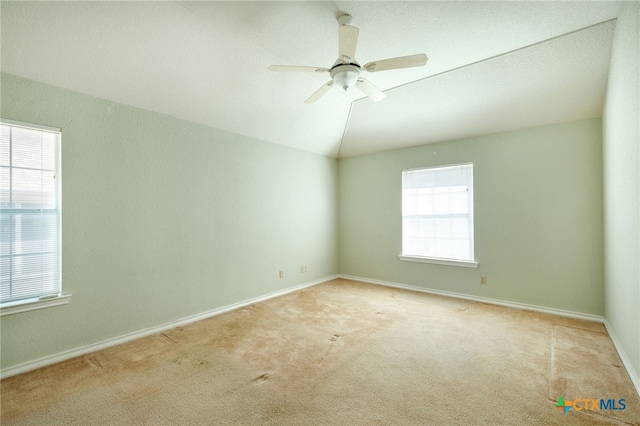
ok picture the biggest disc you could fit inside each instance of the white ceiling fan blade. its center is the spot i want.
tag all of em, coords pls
(395, 63)
(370, 90)
(348, 40)
(318, 93)
(297, 68)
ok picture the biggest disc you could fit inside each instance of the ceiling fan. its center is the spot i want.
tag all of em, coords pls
(345, 72)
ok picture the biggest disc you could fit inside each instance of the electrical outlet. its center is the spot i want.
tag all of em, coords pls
(281, 274)
(302, 269)
(306, 268)
(483, 279)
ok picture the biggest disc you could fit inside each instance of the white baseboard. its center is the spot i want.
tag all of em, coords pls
(72, 353)
(633, 374)
(543, 309)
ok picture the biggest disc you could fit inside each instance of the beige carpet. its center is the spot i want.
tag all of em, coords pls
(340, 353)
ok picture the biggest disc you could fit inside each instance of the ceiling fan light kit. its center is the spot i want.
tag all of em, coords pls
(345, 76)
(345, 72)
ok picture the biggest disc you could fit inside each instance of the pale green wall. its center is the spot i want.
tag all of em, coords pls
(163, 219)
(621, 141)
(538, 216)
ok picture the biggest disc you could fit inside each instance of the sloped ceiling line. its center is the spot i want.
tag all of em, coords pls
(461, 67)
(346, 124)
(433, 76)
(557, 80)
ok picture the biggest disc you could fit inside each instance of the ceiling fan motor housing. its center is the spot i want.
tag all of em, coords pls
(345, 19)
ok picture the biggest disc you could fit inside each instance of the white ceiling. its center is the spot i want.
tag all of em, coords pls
(493, 66)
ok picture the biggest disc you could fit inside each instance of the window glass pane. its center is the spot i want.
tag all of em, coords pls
(49, 151)
(444, 248)
(32, 148)
(6, 234)
(443, 228)
(5, 187)
(4, 146)
(424, 203)
(33, 189)
(437, 212)
(32, 232)
(408, 202)
(5, 278)
(33, 276)
(440, 201)
(460, 248)
(29, 246)
(460, 228)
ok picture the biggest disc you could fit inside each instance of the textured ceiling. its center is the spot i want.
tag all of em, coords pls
(493, 66)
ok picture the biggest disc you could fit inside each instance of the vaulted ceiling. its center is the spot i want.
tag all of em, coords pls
(493, 66)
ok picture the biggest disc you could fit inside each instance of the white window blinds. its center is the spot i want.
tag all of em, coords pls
(30, 214)
(437, 212)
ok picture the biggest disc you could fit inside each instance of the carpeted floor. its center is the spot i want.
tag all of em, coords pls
(342, 352)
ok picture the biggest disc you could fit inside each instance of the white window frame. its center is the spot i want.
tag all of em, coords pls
(45, 300)
(416, 257)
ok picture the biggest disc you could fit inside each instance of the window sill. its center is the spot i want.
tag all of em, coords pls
(437, 261)
(33, 304)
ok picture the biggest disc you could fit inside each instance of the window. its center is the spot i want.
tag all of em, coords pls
(437, 215)
(30, 217)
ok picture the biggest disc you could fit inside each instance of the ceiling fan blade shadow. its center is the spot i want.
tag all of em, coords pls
(297, 68)
(319, 93)
(395, 63)
(348, 41)
(370, 90)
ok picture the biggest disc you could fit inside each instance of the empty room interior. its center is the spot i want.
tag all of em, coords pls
(320, 212)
